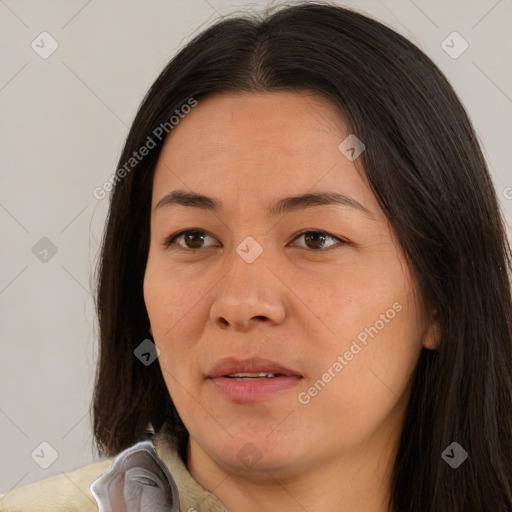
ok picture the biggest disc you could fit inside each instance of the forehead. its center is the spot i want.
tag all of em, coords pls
(223, 120)
(258, 144)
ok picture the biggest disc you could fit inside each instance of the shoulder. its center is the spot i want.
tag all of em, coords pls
(67, 492)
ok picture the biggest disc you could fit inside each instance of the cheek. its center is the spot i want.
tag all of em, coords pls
(174, 306)
(170, 299)
(371, 390)
(395, 358)
(380, 374)
(379, 339)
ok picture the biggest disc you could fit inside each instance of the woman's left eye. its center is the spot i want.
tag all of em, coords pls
(193, 239)
(318, 238)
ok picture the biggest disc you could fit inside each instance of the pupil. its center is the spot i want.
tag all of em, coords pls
(312, 236)
(191, 236)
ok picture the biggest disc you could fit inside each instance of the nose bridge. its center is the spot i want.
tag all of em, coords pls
(248, 289)
(247, 272)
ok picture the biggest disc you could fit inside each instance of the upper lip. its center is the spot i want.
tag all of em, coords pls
(231, 365)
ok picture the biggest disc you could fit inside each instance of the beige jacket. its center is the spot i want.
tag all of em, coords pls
(69, 492)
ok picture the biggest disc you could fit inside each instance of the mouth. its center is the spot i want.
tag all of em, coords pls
(252, 380)
(252, 376)
(253, 368)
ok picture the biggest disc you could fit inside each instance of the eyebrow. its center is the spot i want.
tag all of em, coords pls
(275, 208)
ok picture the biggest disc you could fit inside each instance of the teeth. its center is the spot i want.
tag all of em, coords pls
(251, 375)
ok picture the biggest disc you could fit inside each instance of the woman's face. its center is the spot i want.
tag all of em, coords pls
(316, 295)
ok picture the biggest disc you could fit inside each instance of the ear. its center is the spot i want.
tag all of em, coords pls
(432, 338)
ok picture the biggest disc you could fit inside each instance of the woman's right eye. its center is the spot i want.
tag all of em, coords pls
(192, 239)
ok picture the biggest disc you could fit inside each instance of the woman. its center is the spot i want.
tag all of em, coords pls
(304, 283)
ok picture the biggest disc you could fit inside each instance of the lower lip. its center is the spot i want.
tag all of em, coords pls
(250, 391)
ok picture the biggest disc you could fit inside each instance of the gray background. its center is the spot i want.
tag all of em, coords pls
(62, 125)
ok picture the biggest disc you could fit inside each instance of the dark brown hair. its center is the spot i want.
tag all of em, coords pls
(425, 167)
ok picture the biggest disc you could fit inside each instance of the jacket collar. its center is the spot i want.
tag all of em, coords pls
(150, 475)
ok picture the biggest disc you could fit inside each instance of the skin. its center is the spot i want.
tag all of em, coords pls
(300, 303)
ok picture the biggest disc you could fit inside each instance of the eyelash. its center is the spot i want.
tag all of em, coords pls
(172, 239)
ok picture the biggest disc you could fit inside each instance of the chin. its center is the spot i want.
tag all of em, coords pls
(257, 456)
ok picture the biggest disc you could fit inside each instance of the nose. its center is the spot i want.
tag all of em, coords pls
(249, 294)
